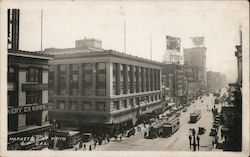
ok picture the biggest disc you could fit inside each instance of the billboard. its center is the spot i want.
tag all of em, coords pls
(173, 43)
(198, 41)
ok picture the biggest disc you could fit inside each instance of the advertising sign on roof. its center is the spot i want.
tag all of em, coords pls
(173, 43)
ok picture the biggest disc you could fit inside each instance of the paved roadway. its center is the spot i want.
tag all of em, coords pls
(177, 142)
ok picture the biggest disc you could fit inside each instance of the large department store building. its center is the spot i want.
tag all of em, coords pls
(101, 90)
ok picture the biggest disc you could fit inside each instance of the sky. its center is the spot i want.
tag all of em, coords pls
(217, 21)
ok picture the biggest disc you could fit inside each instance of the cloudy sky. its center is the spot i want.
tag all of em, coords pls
(217, 21)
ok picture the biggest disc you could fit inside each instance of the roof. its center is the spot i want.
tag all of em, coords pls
(32, 54)
(92, 53)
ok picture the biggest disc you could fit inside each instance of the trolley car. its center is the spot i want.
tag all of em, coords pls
(171, 127)
(195, 116)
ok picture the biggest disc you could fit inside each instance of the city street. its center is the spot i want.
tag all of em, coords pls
(178, 141)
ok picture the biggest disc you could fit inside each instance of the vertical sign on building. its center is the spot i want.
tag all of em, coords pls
(13, 29)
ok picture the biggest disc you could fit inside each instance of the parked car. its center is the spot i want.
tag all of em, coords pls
(185, 109)
(130, 132)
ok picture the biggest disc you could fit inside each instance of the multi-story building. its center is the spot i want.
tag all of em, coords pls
(232, 112)
(101, 90)
(27, 98)
(215, 80)
(176, 82)
(195, 58)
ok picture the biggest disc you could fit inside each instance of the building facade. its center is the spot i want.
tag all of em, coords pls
(215, 80)
(176, 82)
(195, 60)
(27, 98)
(102, 90)
(232, 112)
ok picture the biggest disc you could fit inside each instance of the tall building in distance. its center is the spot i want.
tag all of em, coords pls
(101, 90)
(195, 61)
(173, 54)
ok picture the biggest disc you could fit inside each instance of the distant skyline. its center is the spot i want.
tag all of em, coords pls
(217, 21)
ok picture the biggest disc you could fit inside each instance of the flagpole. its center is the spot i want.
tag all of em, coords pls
(124, 27)
(42, 30)
(150, 46)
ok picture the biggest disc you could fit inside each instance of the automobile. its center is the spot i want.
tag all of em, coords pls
(130, 132)
(201, 130)
(178, 114)
(185, 109)
(86, 137)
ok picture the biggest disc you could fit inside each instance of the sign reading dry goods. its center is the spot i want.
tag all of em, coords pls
(26, 109)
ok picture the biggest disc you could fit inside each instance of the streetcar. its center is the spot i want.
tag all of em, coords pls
(171, 127)
(195, 116)
(64, 139)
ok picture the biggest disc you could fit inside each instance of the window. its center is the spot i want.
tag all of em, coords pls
(51, 80)
(117, 105)
(72, 105)
(62, 80)
(101, 79)
(131, 101)
(125, 103)
(11, 74)
(101, 66)
(12, 99)
(101, 91)
(32, 118)
(51, 105)
(74, 79)
(87, 105)
(137, 101)
(33, 97)
(61, 105)
(100, 106)
(87, 79)
(115, 79)
(34, 75)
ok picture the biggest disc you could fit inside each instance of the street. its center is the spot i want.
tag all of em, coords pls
(178, 141)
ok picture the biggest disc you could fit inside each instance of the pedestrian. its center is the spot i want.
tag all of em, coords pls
(84, 146)
(90, 148)
(194, 143)
(120, 137)
(198, 142)
(190, 141)
(94, 144)
(80, 145)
